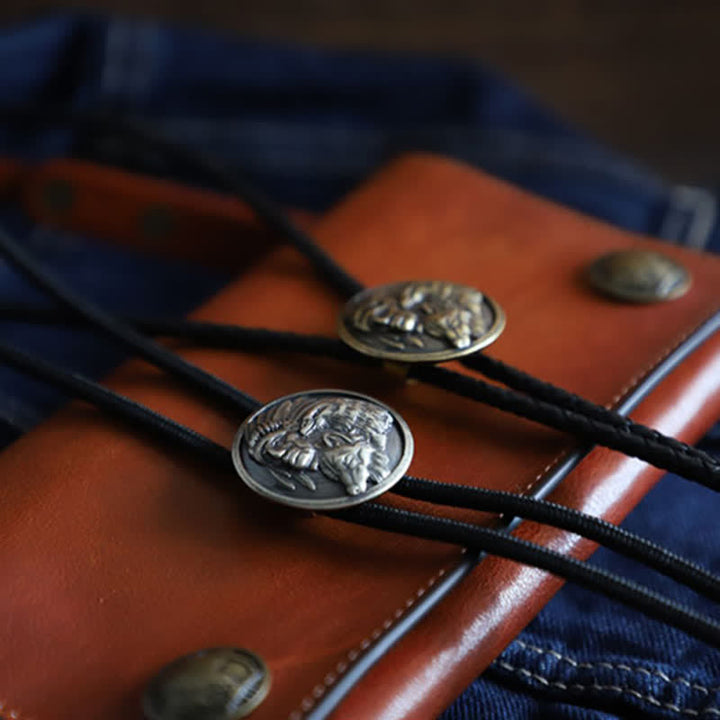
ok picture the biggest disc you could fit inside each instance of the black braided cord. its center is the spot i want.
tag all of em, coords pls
(573, 414)
(493, 541)
(523, 382)
(233, 182)
(221, 177)
(592, 424)
(125, 335)
(571, 417)
(658, 454)
(171, 432)
(118, 406)
(549, 513)
(700, 466)
(476, 537)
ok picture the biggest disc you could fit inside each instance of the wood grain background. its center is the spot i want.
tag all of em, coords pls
(643, 75)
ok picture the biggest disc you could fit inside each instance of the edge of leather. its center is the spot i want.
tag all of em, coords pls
(375, 667)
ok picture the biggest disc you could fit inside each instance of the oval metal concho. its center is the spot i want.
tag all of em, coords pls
(323, 449)
(213, 684)
(420, 321)
(640, 276)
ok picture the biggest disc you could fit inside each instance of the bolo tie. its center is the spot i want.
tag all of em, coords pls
(335, 452)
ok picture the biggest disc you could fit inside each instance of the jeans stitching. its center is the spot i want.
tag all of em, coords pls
(613, 688)
(609, 688)
(618, 666)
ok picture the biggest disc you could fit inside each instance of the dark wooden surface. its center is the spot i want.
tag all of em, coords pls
(643, 75)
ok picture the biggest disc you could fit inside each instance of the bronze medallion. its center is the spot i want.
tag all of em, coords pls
(322, 449)
(639, 276)
(420, 321)
(214, 684)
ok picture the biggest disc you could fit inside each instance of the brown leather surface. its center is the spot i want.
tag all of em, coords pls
(118, 555)
(145, 213)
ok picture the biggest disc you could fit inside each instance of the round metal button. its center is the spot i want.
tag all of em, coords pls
(323, 449)
(420, 321)
(640, 276)
(214, 684)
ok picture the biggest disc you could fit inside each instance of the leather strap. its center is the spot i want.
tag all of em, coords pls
(139, 212)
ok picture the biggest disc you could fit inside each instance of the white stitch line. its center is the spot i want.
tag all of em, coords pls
(612, 688)
(618, 666)
(308, 702)
(663, 356)
(544, 471)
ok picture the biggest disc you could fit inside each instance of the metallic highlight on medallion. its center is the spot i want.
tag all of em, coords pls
(420, 321)
(214, 684)
(639, 276)
(323, 449)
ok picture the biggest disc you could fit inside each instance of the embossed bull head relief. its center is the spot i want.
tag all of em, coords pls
(343, 438)
(441, 310)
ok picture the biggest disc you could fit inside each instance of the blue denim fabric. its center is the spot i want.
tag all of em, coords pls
(307, 125)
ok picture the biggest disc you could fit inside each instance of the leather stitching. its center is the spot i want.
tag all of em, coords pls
(546, 469)
(617, 689)
(663, 355)
(310, 700)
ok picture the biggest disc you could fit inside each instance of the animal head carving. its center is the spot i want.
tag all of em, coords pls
(343, 438)
(446, 311)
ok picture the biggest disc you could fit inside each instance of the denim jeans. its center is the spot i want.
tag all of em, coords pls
(307, 125)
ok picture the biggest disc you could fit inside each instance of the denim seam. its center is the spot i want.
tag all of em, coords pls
(113, 66)
(691, 216)
(617, 666)
(144, 65)
(618, 689)
(141, 55)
